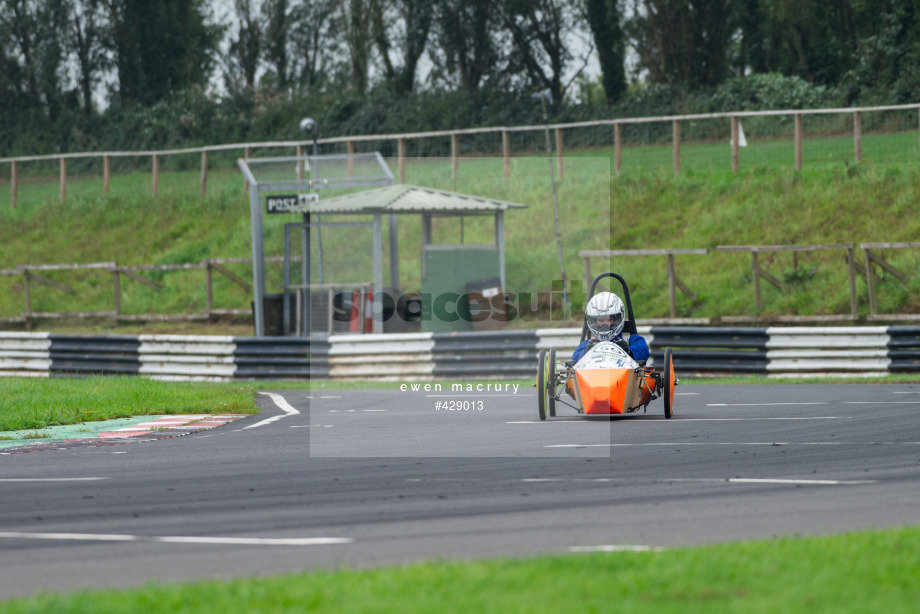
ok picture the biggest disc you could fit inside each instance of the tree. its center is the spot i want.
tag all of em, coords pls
(356, 23)
(87, 35)
(277, 27)
(684, 41)
(603, 17)
(161, 46)
(408, 23)
(540, 32)
(316, 41)
(465, 41)
(241, 64)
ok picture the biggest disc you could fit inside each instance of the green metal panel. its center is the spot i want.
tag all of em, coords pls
(448, 270)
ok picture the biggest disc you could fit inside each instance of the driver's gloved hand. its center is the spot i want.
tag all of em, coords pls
(570, 363)
(622, 343)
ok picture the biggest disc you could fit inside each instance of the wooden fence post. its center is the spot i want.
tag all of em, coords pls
(734, 144)
(401, 155)
(870, 282)
(106, 174)
(676, 132)
(63, 180)
(851, 265)
(247, 153)
(559, 164)
(156, 174)
(618, 146)
(209, 286)
(857, 137)
(351, 163)
(14, 183)
(672, 295)
(755, 270)
(455, 153)
(117, 283)
(798, 142)
(506, 152)
(204, 173)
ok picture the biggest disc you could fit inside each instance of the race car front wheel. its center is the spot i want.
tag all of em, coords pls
(551, 382)
(541, 384)
(669, 383)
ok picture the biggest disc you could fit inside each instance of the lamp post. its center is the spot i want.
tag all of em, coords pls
(544, 96)
(308, 127)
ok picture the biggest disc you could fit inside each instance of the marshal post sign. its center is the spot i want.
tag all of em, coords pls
(290, 203)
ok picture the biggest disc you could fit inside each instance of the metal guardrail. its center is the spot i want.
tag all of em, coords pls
(698, 351)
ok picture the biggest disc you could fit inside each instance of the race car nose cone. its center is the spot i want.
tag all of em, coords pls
(603, 391)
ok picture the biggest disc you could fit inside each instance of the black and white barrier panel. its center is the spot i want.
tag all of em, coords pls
(775, 351)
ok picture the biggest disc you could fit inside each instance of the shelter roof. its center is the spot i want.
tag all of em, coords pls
(411, 199)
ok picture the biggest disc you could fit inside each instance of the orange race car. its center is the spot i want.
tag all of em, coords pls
(606, 380)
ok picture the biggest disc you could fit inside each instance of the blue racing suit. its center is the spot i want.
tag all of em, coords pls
(638, 348)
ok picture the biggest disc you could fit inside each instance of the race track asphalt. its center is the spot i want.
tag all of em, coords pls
(368, 477)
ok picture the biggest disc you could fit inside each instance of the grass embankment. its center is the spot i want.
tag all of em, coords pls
(859, 572)
(30, 403)
(705, 206)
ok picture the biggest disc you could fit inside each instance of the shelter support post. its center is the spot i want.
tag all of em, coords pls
(306, 274)
(393, 226)
(378, 274)
(500, 243)
(258, 261)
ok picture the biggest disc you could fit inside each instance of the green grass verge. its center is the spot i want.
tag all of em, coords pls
(876, 571)
(33, 403)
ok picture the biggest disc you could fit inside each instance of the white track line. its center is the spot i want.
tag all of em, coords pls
(51, 479)
(614, 548)
(778, 481)
(233, 541)
(281, 403)
(739, 443)
(759, 404)
(881, 402)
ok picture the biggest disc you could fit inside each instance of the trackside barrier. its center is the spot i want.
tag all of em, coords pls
(698, 351)
(492, 354)
(25, 354)
(397, 356)
(904, 349)
(805, 352)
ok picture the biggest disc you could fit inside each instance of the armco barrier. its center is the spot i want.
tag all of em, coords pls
(493, 354)
(25, 354)
(94, 355)
(478, 355)
(807, 351)
(904, 349)
(710, 350)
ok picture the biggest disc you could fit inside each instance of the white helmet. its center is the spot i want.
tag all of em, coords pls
(605, 315)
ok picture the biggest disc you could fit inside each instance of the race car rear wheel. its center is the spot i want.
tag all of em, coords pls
(669, 382)
(541, 384)
(551, 382)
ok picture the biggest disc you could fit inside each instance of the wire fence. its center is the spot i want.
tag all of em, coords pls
(735, 141)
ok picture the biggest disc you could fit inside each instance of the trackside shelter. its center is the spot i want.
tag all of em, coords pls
(446, 268)
(375, 197)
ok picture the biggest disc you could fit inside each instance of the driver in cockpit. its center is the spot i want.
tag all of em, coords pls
(605, 316)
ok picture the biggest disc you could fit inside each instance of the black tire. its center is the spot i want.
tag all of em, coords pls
(541, 384)
(668, 392)
(551, 383)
